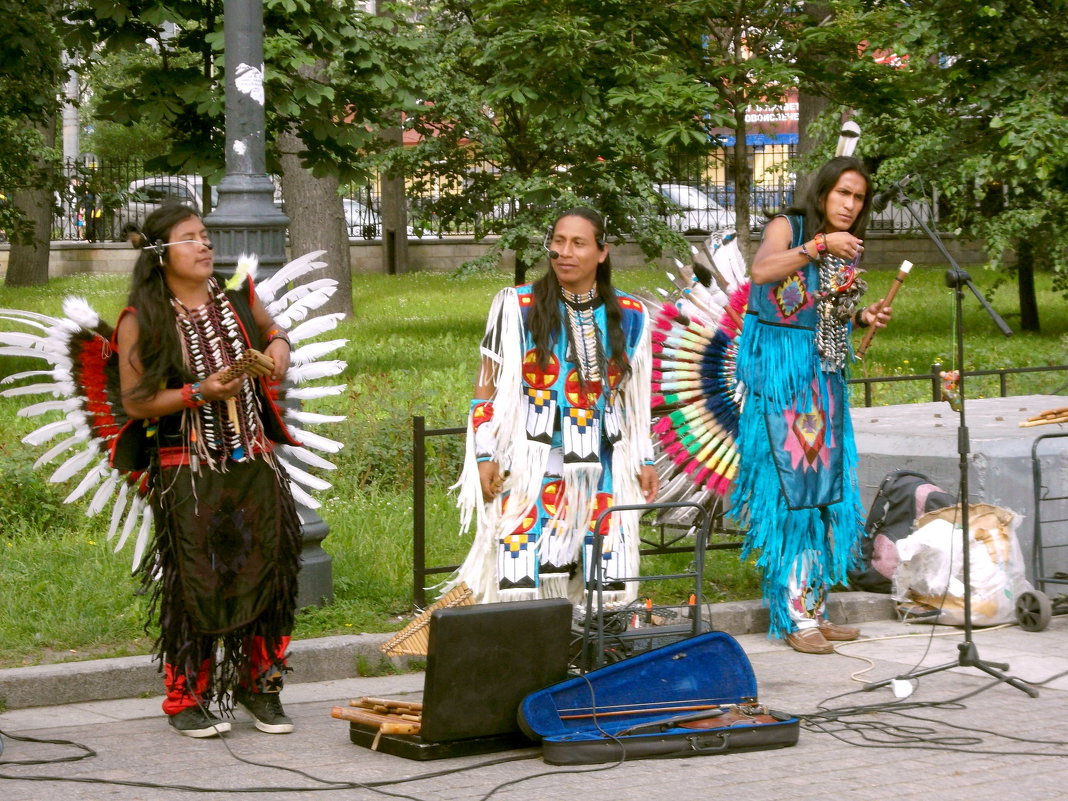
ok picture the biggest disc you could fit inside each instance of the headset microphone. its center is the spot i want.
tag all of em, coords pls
(553, 254)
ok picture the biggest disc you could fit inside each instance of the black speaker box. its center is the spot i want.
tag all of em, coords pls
(482, 661)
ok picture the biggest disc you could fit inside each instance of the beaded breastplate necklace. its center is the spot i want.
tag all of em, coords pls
(585, 339)
(211, 340)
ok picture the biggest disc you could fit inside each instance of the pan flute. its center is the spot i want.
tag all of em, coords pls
(251, 362)
(414, 638)
(382, 714)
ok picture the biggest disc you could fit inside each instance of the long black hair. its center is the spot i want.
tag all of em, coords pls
(157, 343)
(544, 320)
(814, 208)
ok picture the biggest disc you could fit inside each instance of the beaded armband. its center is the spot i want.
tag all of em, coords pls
(485, 439)
(858, 319)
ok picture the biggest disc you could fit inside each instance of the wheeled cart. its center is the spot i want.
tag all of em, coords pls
(1035, 608)
(610, 635)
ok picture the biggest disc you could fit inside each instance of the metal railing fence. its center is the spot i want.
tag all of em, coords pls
(668, 538)
(100, 198)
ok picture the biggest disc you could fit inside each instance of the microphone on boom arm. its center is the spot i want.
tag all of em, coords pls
(882, 199)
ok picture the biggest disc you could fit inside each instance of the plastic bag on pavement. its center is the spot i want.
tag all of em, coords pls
(930, 574)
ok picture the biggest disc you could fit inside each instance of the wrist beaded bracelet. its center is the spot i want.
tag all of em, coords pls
(804, 250)
(858, 319)
(192, 397)
(278, 333)
(821, 243)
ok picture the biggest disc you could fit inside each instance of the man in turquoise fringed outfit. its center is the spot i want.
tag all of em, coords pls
(796, 490)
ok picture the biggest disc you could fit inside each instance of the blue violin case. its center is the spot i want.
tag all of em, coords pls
(694, 697)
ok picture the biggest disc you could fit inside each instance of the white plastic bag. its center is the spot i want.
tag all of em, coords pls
(930, 572)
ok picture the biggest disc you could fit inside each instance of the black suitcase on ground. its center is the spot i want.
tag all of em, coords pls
(694, 697)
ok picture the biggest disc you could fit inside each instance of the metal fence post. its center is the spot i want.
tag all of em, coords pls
(936, 382)
(418, 509)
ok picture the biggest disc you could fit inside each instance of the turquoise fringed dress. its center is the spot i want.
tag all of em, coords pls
(796, 490)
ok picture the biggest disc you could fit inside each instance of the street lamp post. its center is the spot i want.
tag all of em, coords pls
(247, 221)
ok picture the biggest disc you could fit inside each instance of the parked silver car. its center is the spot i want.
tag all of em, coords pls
(145, 195)
(693, 212)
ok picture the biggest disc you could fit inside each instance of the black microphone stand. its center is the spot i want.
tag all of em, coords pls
(968, 655)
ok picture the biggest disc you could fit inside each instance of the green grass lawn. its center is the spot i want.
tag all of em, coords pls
(412, 350)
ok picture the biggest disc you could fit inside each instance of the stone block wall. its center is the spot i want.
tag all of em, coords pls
(443, 255)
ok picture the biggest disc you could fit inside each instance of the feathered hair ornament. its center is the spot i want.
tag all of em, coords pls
(246, 268)
(848, 137)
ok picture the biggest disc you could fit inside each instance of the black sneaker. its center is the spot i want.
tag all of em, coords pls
(196, 722)
(266, 710)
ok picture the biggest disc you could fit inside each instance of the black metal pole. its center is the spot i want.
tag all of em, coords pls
(419, 510)
(246, 219)
(968, 654)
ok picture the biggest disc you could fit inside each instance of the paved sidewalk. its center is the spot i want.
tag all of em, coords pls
(133, 743)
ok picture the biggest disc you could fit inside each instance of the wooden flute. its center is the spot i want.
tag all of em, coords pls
(899, 279)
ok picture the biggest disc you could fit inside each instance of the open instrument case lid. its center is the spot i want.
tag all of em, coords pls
(589, 719)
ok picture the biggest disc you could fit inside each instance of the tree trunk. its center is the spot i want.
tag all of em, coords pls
(1025, 284)
(743, 181)
(317, 220)
(741, 172)
(28, 261)
(394, 214)
(520, 272)
(809, 107)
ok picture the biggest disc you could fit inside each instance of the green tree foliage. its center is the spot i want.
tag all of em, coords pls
(568, 100)
(115, 80)
(978, 109)
(31, 72)
(744, 52)
(328, 70)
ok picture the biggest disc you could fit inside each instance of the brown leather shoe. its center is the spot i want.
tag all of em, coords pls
(809, 641)
(832, 631)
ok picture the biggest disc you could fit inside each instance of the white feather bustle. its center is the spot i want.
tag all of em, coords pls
(49, 340)
(307, 457)
(300, 291)
(302, 498)
(303, 477)
(311, 418)
(314, 351)
(288, 274)
(300, 373)
(307, 304)
(311, 393)
(80, 312)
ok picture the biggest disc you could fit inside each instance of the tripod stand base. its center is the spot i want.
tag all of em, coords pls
(968, 657)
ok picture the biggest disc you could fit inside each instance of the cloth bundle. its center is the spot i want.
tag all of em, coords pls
(930, 573)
